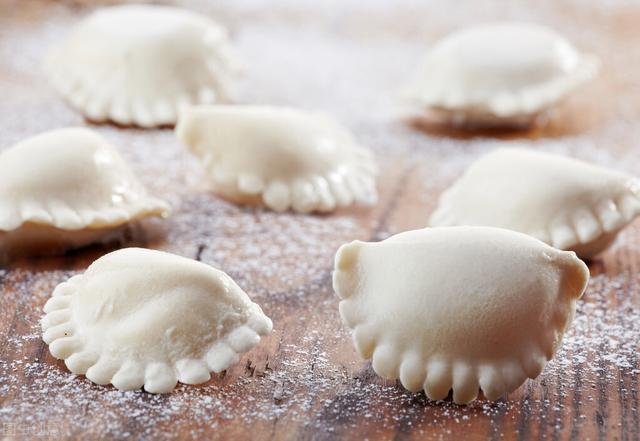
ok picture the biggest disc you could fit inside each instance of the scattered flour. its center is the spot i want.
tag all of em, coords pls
(336, 57)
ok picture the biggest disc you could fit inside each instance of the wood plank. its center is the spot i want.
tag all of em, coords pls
(305, 380)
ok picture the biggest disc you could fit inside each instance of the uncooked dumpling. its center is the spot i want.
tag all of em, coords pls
(67, 188)
(500, 74)
(141, 64)
(144, 318)
(565, 202)
(282, 157)
(458, 308)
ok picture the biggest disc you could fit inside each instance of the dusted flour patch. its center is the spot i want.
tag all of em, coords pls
(67, 188)
(458, 308)
(141, 64)
(500, 74)
(567, 203)
(141, 317)
(282, 157)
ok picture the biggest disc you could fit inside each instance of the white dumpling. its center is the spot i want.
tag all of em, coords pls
(458, 308)
(144, 318)
(500, 74)
(282, 157)
(67, 188)
(140, 64)
(565, 202)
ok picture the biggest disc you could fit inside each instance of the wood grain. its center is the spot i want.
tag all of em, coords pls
(305, 382)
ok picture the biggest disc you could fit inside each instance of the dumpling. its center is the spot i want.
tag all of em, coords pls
(140, 317)
(458, 308)
(282, 157)
(140, 64)
(65, 189)
(500, 74)
(565, 202)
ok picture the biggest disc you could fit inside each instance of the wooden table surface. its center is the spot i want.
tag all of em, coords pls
(305, 380)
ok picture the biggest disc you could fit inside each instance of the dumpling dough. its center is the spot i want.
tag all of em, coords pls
(565, 202)
(65, 189)
(141, 317)
(500, 74)
(140, 64)
(458, 308)
(283, 157)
